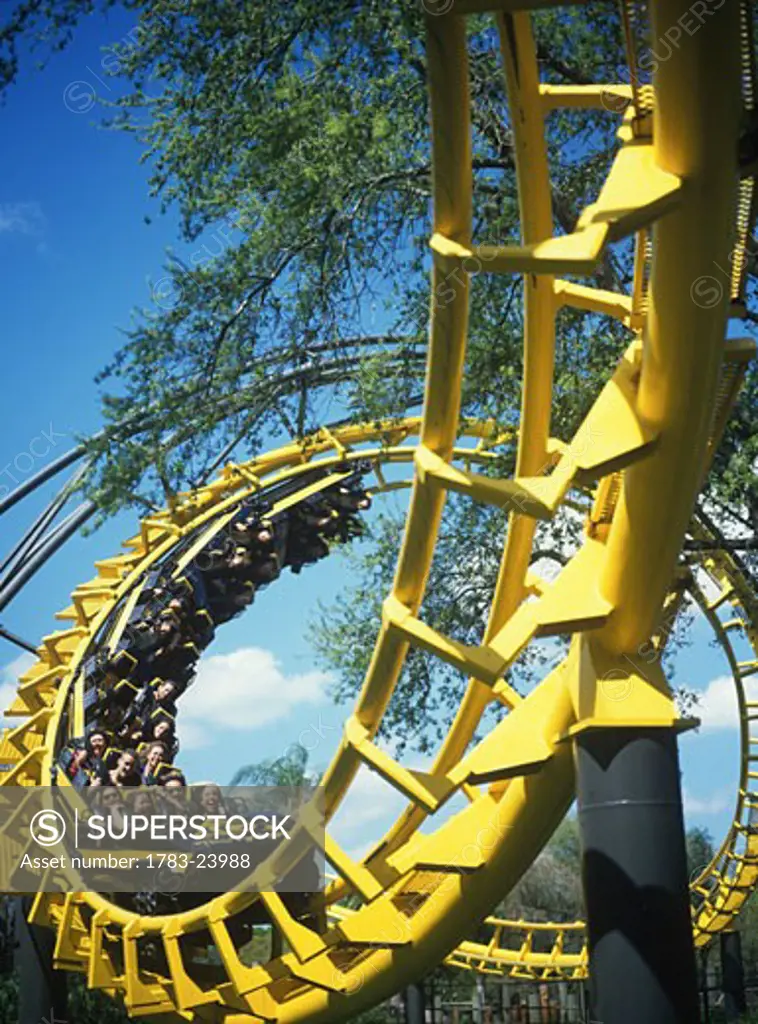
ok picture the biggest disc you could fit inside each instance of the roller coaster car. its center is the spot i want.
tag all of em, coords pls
(174, 662)
(349, 497)
(72, 760)
(147, 703)
(122, 694)
(102, 669)
(156, 776)
(203, 627)
(183, 597)
(228, 598)
(305, 548)
(137, 648)
(313, 513)
(174, 617)
(345, 529)
(104, 707)
(154, 587)
(121, 664)
(748, 146)
(109, 758)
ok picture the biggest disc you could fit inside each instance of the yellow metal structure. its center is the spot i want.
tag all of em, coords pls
(645, 445)
(539, 950)
(536, 950)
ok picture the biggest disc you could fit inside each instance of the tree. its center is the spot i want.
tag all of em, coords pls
(287, 770)
(293, 140)
(87, 1006)
(700, 850)
(552, 885)
(294, 143)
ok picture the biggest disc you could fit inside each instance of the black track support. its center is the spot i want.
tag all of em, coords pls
(42, 991)
(49, 471)
(12, 638)
(732, 975)
(415, 1010)
(634, 869)
(46, 550)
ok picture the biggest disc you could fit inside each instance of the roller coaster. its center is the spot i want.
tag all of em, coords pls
(637, 461)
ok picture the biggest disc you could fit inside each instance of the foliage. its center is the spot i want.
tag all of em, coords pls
(294, 144)
(552, 886)
(287, 770)
(700, 850)
(86, 1006)
(748, 926)
(293, 141)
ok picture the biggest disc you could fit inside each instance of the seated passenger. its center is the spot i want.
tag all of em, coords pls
(345, 527)
(111, 802)
(163, 730)
(101, 757)
(126, 772)
(227, 598)
(173, 780)
(154, 765)
(141, 803)
(305, 546)
(211, 800)
(160, 693)
(73, 761)
(349, 499)
(174, 791)
(312, 513)
(159, 729)
(176, 660)
(130, 735)
(142, 639)
(256, 536)
(165, 693)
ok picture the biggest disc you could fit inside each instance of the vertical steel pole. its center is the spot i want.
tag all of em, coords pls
(704, 984)
(414, 1003)
(732, 975)
(642, 962)
(634, 867)
(43, 992)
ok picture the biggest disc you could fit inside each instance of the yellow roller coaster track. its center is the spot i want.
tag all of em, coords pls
(646, 443)
(538, 950)
(541, 950)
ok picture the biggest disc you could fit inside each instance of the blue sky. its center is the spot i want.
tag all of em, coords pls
(75, 256)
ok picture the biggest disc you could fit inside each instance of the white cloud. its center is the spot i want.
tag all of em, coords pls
(716, 804)
(369, 808)
(244, 690)
(9, 676)
(717, 707)
(12, 672)
(22, 219)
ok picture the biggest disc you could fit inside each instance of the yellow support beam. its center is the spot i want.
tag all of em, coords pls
(656, 422)
(427, 791)
(611, 97)
(597, 300)
(636, 193)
